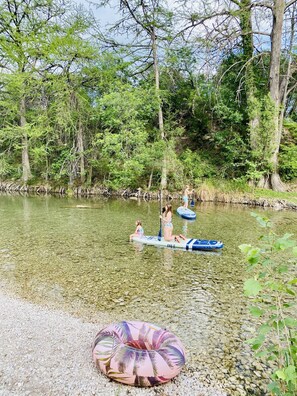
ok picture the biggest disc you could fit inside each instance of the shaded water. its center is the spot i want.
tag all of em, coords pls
(79, 259)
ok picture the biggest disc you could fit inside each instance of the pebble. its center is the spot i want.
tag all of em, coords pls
(48, 352)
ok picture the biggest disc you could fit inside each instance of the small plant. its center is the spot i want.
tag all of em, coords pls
(273, 291)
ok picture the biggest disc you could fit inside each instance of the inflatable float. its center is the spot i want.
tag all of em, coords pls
(186, 213)
(188, 244)
(138, 353)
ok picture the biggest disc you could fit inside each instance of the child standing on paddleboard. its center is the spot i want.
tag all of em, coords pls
(186, 196)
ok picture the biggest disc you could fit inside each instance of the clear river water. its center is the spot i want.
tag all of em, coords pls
(75, 255)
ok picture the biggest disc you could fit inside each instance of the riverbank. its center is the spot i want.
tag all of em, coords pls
(204, 193)
(48, 352)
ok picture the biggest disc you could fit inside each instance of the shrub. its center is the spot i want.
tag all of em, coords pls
(272, 288)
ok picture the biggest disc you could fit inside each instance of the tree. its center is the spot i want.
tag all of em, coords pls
(124, 146)
(39, 41)
(234, 20)
(24, 29)
(148, 23)
(278, 82)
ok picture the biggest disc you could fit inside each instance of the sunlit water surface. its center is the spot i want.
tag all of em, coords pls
(56, 253)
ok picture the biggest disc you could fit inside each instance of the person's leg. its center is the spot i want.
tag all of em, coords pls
(170, 232)
(173, 237)
(166, 234)
(176, 238)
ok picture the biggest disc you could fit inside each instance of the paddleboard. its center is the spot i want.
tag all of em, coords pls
(186, 213)
(188, 244)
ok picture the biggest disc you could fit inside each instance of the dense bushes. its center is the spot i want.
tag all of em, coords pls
(74, 113)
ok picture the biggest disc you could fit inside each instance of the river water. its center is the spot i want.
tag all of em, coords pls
(75, 255)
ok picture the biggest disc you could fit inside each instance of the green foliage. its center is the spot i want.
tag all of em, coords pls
(270, 194)
(262, 111)
(291, 126)
(230, 153)
(124, 139)
(90, 114)
(59, 169)
(228, 186)
(253, 172)
(230, 102)
(288, 162)
(195, 167)
(288, 151)
(6, 169)
(273, 290)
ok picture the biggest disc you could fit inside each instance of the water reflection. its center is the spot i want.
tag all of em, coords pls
(185, 228)
(76, 255)
(138, 247)
(168, 260)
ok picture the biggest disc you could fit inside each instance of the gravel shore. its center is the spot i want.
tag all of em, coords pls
(44, 352)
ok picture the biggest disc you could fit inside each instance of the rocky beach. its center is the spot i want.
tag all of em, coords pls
(48, 352)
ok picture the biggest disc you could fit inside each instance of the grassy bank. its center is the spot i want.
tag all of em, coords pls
(229, 191)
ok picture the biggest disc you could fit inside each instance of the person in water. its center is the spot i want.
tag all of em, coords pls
(186, 196)
(139, 232)
(168, 226)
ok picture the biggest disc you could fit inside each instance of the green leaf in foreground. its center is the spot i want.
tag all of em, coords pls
(256, 311)
(252, 287)
(290, 322)
(280, 374)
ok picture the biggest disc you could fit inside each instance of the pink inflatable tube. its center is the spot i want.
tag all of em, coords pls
(138, 353)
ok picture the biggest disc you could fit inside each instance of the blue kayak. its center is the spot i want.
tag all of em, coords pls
(186, 213)
(188, 244)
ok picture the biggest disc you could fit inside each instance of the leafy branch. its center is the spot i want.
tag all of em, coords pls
(272, 288)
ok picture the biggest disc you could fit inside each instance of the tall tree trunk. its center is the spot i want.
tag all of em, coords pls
(80, 149)
(274, 89)
(160, 111)
(157, 83)
(150, 180)
(290, 68)
(248, 48)
(46, 167)
(25, 144)
(90, 171)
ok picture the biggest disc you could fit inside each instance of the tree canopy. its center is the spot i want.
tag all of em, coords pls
(162, 95)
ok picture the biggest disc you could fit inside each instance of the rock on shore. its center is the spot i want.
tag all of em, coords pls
(201, 195)
(46, 352)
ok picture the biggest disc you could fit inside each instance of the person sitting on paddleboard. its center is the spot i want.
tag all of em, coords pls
(168, 226)
(139, 232)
